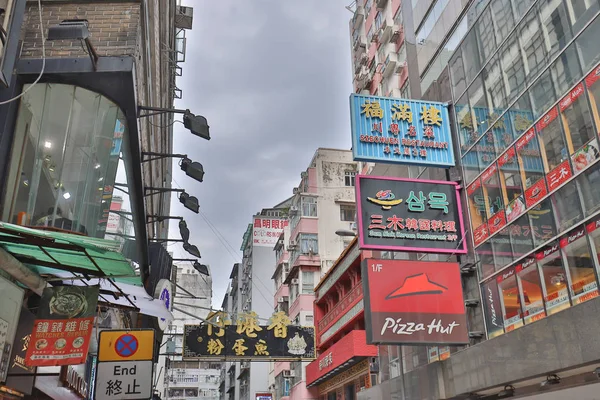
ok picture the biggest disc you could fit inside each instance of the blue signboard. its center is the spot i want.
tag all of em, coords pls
(400, 131)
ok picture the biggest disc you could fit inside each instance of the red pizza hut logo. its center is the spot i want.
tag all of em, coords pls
(597, 72)
(508, 274)
(577, 235)
(528, 262)
(550, 250)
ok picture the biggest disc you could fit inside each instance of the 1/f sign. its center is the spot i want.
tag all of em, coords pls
(376, 267)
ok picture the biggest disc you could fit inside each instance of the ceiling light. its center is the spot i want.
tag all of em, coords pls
(67, 195)
(48, 144)
(100, 179)
(551, 380)
(508, 391)
(25, 182)
(97, 166)
(52, 168)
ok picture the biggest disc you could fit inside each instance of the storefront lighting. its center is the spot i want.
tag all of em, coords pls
(191, 168)
(74, 29)
(551, 380)
(67, 195)
(201, 268)
(192, 249)
(48, 144)
(100, 179)
(184, 231)
(52, 168)
(345, 233)
(508, 391)
(189, 202)
(197, 124)
(97, 166)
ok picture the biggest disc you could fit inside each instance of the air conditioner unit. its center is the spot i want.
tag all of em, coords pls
(249, 263)
(289, 374)
(293, 209)
(295, 281)
(296, 190)
(281, 300)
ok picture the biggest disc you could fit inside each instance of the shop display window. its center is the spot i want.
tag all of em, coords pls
(510, 299)
(582, 140)
(479, 106)
(486, 259)
(589, 184)
(556, 293)
(477, 206)
(492, 308)
(552, 140)
(543, 225)
(532, 167)
(542, 93)
(511, 179)
(520, 117)
(493, 197)
(581, 266)
(502, 248)
(593, 229)
(566, 70)
(464, 119)
(592, 82)
(531, 290)
(567, 206)
(521, 236)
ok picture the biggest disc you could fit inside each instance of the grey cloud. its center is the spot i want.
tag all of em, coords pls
(273, 79)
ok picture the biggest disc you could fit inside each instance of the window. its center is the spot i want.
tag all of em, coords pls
(579, 129)
(567, 206)
(533, 298)
(470, 55)
(479, 106)
(543, 226)
(589, 182)
(464, 120)
(552, 140)
(554, 276)
(492, 192)
(349, 178)
(66, 160)
(532, 167)
(494, 83)
(565, 70)
(581, 266)
(477, 206)
(503, 18)
(309, 206)
(589, 47)
(308, 282)
(542, 93)
(492, 308)
(378, 21)
(513, 67)
(594, 231)
(512, 186)
(486, 259)
(347, 212)
(457, 74)
(510, 300)
(486, 35)
(309, 243)
(521, 236)
(502, 248)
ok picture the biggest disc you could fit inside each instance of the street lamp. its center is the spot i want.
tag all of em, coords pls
(189, 202)
(193, 169)
(192, 249)
(74, 29)
(184, 231)
(201, 268)
(197, 124)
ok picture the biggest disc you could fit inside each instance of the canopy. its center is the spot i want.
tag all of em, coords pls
(48, 251)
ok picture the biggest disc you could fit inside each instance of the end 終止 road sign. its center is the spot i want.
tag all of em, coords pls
(137, 345)
(124, 380)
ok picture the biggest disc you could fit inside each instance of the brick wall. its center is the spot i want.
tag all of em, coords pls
(114, 28)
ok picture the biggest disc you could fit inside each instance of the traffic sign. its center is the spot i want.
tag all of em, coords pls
(135, 345)
(124, 380)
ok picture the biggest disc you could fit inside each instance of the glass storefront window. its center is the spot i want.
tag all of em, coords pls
(580, 12)
(492, 309)
(555, 24)
(511, 180)
(534, 48)
(592, 82)
(582, 140)
(486, 259)
(470, 55)
(589, 184)
(510, 300)
(486, 35)
(457, 74)
(464, 119)
(521, 236)
(532, 168)
(494, 82)
(492, 191)
(477, 204)
(503, 18)
(471, 162)
(513, 67)
(479, 106)
(567, 206)
(543, 94)
(502, 248)
(566, 70)
(66, 160)
(581, 267)
(543, 226)
(533, 298)
(589, 45)
(521, 6)
(593, 229)
(520, 116)
(556, 294)
(552, 142)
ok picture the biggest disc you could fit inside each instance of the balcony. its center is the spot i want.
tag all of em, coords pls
(359, 16)
(389, 65)
(385, 32)
(353, 296)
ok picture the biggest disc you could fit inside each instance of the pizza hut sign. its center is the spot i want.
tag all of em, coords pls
(408, 302)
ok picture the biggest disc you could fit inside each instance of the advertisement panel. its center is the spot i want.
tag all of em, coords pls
(266, 231)
(400, 131)
(413, 302)
(399, 214)
(63, 326)
(20, 376)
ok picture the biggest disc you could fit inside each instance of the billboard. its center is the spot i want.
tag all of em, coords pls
(399, 214)
(266, 231)
(400, 131)
(413, 302)
(246, 340)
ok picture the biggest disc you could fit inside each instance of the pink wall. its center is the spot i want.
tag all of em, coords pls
(283, 290)
(280, 366)
(305, 225)
(395, 6)
(284, 256)
(300, 392)
(302, 303)
(313, 184)
(370, 17)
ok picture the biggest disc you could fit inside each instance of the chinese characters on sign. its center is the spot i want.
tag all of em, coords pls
(220, 339)
(266, 231)
(400, 131)
(409, 215)
(62, 330)
(412, 302)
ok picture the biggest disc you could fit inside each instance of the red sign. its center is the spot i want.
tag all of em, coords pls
(474, 186)
(411, 302)
(63, 328)
(525, 139)
(546, 119)
(571, 97)
(488, 173)
(546, 251)
(480, 234)
(496, 222)
(592, 226)
(535, 192)
(559, 175)
(571, 237)
(592, 77)
(506, 157)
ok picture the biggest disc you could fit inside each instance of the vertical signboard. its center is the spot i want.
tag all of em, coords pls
(21, 376)
(400, 131)
(63, 326)
(412, 302)
(266, 231)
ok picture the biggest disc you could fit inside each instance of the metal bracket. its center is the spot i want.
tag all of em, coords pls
(158, 110)
(152, 156)
(155, 190)
(159, 218)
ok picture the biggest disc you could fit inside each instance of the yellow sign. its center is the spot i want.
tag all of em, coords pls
(135, 345)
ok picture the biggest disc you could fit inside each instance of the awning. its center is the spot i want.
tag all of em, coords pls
(48, 251)
(111, 295)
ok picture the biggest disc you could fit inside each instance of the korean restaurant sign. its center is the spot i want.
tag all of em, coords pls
(412, 302)
(63, 326)
(266, 231)
(399, 214)
(245, 339)
(400, 131)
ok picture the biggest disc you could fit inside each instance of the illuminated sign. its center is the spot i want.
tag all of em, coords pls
(400, 131)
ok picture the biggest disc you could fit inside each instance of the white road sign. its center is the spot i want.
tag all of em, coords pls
(124, 380)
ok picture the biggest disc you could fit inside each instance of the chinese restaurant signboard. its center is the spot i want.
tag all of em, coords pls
(400, 214)
(266, 231)
(400, 131)
(412, 302)
(247, 340)
(63, 326)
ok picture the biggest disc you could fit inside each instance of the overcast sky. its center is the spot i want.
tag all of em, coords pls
(273, 79)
